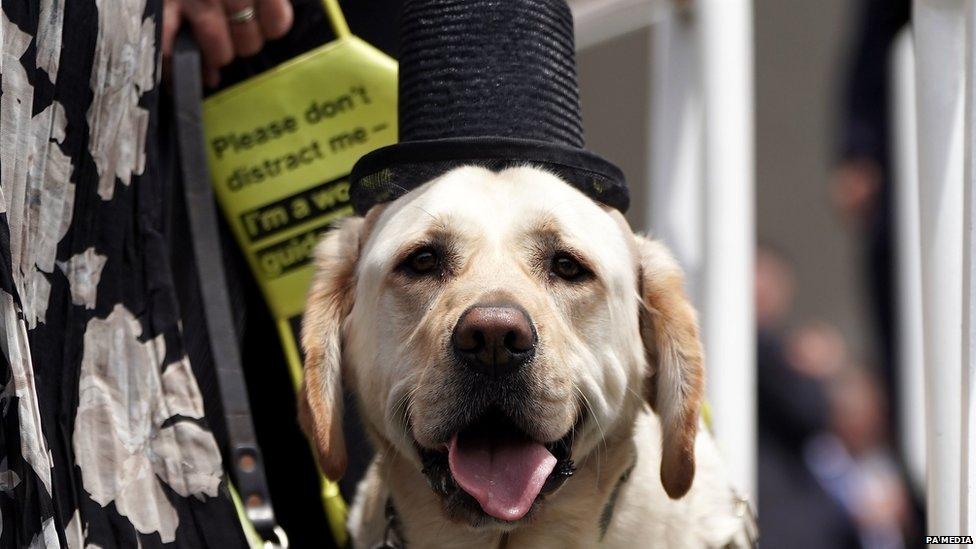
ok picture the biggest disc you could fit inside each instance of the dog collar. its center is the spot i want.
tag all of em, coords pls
(393, 535)
(607, 515)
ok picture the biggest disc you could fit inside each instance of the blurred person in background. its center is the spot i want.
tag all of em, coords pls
(828, 476)
(861, 183)
(795, 510)
(817, 350)
(854, 463)
(862, 191)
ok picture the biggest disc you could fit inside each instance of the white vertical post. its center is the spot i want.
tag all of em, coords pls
(940, 48)
(968, 386)
(674, 167)
(728, 319)
(911, 365)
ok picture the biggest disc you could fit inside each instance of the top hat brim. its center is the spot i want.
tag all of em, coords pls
(390, 172)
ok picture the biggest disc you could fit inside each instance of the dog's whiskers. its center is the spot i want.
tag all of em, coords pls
(640, 397)
(399, 187)
(592, 413)
(411, 338)
(437, 220)
(403, 403)
(552, 209)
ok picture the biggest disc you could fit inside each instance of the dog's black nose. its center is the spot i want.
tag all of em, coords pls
(494, 339)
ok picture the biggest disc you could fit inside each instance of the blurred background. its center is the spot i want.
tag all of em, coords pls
(837, 464)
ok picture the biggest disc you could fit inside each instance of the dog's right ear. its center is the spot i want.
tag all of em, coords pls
(329, 301)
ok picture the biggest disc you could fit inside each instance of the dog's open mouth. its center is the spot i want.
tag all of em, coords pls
(494, 465)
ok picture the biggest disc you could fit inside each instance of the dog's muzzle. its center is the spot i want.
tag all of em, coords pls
(487, 465)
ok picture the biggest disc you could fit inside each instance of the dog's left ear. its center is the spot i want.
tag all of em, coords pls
(676, 377)
(329, 301)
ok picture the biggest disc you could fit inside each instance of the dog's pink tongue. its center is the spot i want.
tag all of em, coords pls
(505, 476)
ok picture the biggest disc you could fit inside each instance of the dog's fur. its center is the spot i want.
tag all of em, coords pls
(611, 347)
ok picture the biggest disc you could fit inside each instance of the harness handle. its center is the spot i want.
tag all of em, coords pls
(336, 18)
(246, 461)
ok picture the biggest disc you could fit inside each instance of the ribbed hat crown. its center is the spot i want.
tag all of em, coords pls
(501, 68)
(488, 83)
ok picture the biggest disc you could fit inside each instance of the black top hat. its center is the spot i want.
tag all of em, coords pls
(490, 83)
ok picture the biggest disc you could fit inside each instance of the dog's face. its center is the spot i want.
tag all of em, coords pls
(495, 327)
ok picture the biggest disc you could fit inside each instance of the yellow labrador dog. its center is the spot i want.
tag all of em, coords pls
(529, 370)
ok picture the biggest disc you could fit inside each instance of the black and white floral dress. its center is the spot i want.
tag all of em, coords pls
(104, 439)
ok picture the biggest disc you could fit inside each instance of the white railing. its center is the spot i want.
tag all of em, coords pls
(908, 249)
(945, 67)
(967, 393)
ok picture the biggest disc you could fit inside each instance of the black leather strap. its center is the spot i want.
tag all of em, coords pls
(246, 464)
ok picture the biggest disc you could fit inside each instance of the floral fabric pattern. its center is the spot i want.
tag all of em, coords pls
(133, 429)
(105, 439)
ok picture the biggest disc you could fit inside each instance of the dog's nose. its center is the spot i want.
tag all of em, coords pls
(494, 339)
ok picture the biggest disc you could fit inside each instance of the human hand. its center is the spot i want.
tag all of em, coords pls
(225, 29)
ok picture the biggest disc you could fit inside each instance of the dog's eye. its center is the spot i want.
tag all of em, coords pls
(423, 261)
(568, 268)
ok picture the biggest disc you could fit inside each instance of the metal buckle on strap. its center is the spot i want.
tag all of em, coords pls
(281, 541)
